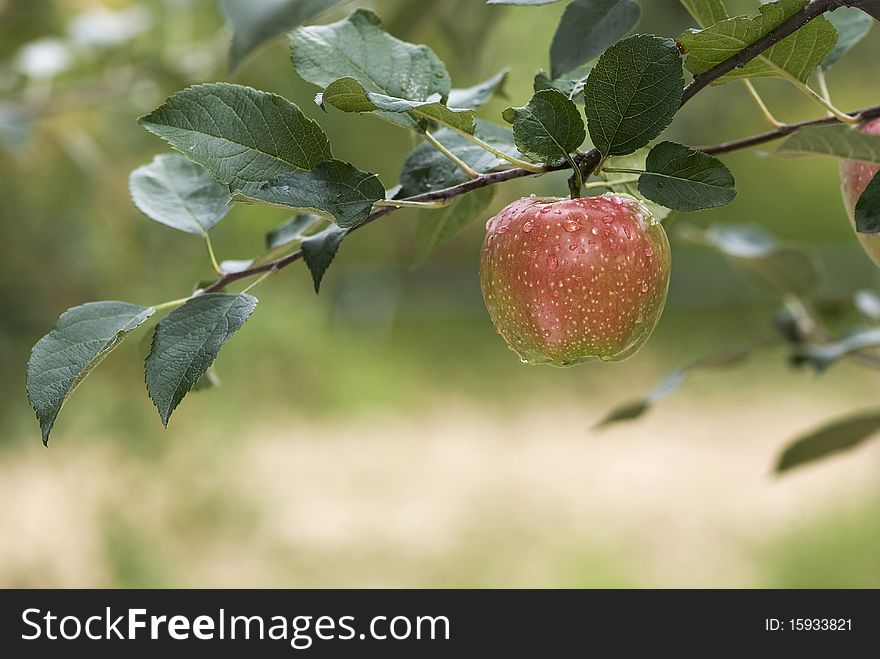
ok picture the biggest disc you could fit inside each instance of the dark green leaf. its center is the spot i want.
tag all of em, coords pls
(837, 436)
(291, 230)
(244, 137)
(780, 269)
(254, 22)
(437, 227)
(685, 180)
(357, 47)
(210, 380)
(203, 123)
(179, 193)
(548, 128)
(426, 168)
(571, 84)
(187, 341)
(627, 183)
(477, 96)
(795, 57)
(81, 338)
(706, 12)
(838, 140)
(633, 93)
(867, 214)
(334, 189)
(852, 25)
(587, 28)
(348, 95)
(320, 250)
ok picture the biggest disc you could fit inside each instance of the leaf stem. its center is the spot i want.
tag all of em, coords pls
(461, 164)
(624, 170)
(773, 121)
(823, 85)
(609, 184)
(405, 203)
(513, 160)
(259, 280)
(843, 117)
(172, 304)
(211, 254)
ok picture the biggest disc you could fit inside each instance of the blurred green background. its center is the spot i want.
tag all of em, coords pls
(382, 434)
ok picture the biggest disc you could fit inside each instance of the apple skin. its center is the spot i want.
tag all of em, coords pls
(854, 178)
(568, 281)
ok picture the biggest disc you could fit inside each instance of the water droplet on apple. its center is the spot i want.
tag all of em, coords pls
(644, 288)
(528, 226)
(594, 231)
(502, 228)
(552, 262)
(649, 252)
(571, 225)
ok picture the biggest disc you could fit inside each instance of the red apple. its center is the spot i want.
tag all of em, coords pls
(854, 178)
(574, 280)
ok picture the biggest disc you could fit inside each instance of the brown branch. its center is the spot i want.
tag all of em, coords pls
(783, 131)
(588, 161)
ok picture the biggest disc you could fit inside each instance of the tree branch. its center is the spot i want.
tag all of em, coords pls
(588, 161)
(783, 131)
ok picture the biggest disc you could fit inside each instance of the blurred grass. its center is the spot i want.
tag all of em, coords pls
(385, 344)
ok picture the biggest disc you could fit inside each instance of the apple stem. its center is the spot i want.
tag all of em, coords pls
(461, 164)
(576, 182)
(773, 121)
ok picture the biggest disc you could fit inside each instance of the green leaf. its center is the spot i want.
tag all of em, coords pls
(571, 84)
(264, 149)
(867, 215)
(254, 23)
(839, 435)
(437, 227)
(838, 140)
(426, 168)
(548, 128)
(187, 341)
(795, 57)
(334, 189)
(179, 193)
(633, 93)
(686, 180)
(348, 95)
(780, 269)
(81, 338)
(357, 47)
(291, 230)
(587, 28)
(477, 96)
(706, 12)
(244, 137)
(627, 183)
(852, 25)
(320, 250)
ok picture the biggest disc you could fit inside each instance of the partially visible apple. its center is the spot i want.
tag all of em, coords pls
(574, 280)
(854, 178)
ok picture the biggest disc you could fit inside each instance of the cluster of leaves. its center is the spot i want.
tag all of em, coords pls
(241, 145)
